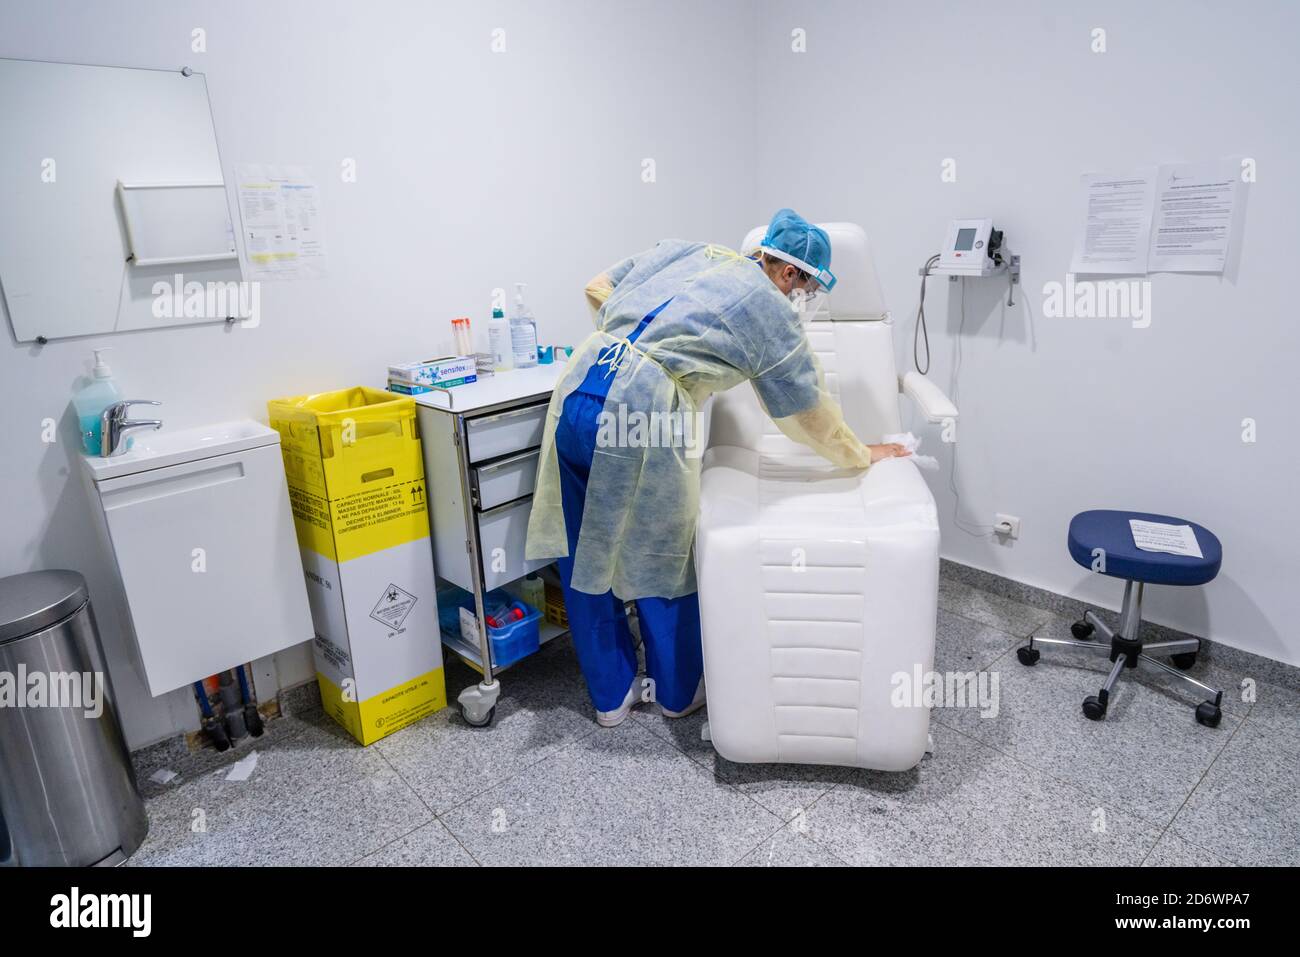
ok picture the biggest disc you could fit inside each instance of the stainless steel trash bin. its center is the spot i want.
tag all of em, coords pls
(67, 790)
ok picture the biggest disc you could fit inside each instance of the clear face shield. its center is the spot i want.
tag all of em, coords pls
(808, 301)
(808, 296)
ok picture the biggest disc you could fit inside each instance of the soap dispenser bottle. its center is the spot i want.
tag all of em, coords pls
(91, 400)
(523, 332)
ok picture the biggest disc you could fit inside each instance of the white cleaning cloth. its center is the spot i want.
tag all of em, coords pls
(910, 442)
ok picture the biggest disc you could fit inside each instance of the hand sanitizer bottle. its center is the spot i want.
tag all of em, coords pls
(91, 400)
(523, 332)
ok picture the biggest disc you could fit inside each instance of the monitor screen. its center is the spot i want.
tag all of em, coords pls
(965, 239)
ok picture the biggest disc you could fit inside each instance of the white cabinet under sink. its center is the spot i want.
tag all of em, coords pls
(200, 524)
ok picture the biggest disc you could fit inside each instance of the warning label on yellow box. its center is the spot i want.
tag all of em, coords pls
(360, 523)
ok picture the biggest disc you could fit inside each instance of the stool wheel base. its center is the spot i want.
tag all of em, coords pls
(1208, 714)
(1093, 709)
(1081, 630)
(1183, 661)
(1028, 656)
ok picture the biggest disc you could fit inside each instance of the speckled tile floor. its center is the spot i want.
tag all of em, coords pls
(1033, 783)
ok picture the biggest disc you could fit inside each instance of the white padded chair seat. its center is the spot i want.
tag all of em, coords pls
(741, 487)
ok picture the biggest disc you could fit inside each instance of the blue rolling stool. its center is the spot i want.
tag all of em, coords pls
(1106, 534)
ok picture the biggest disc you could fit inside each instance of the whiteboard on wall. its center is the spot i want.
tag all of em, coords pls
(68, 134)
(175, 223)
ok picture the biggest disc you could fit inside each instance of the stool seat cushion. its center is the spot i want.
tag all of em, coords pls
(1109, 530)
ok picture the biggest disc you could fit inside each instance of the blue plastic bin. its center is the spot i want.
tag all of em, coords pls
(511, 642)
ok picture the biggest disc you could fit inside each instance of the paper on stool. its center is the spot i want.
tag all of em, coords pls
(1169, 539)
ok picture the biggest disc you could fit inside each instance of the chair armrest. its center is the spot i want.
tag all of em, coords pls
(929, 398)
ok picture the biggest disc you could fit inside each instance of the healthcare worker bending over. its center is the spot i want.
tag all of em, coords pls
(619, 476)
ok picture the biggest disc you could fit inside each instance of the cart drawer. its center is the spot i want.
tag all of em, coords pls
(502, 532)
(504, 480)
(491, 436)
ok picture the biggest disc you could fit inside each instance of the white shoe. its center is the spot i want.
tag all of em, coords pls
(696, 704)
(612, 719)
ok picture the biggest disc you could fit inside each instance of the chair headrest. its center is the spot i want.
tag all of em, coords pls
(857, 294)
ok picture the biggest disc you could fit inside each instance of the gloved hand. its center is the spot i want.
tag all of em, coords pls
(598, 290)
(888, 450)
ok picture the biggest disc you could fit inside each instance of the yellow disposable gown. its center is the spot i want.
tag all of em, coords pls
(727, 322)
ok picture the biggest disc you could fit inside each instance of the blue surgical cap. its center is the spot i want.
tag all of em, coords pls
(793, 239)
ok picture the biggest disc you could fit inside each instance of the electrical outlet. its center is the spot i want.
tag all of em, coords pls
(1007, 526)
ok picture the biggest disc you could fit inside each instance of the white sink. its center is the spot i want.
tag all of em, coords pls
(155, 450)
(211, 500)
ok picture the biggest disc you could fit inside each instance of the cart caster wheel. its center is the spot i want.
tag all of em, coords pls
(1081, 630)
(1028, 656)
(1093, 709)
(1208, 714)
(1184, 661)
(253, 721)
(481, 722)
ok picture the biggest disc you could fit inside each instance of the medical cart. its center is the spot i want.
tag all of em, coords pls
(481, 443)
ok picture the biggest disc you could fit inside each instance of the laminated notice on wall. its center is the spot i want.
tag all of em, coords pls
(1198, 216)
(1178, 217)
(1116, 229)
(279, 207)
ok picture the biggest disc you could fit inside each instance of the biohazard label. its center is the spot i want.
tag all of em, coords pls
(393, 607)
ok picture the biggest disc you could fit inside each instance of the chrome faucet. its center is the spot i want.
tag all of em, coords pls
(114, 425)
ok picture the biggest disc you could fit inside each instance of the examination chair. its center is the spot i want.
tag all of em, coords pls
(819, 585)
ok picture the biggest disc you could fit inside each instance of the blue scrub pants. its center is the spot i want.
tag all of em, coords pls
(670, 627)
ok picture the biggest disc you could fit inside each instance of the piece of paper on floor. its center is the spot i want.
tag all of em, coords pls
(242, 769)
(163, 776)
(1169, 539)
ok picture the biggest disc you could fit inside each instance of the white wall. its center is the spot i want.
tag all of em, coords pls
(474, 170)
(1060, 415)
